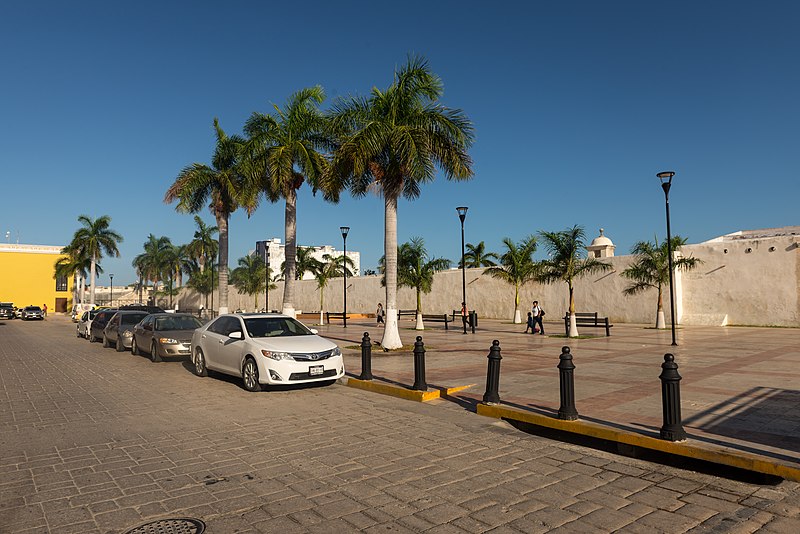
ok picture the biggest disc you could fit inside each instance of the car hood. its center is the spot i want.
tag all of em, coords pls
(295, 343)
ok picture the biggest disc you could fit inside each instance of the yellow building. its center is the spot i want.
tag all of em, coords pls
(26, 277)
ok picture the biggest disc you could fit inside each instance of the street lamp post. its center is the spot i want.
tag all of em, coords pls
(345, 230)
(266, 298)
(666, 183)
(462, 214)
(111, 276)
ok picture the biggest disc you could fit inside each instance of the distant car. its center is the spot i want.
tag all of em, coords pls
(85, 322)
(32, 312)
(265, 349)
(99, 322)
(119, 330)
(165, 334)
(18, 313)
(7, 310)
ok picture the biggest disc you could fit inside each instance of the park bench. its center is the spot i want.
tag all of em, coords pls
(591, 320)
(437, 318)
(333, 315)
(406, 313)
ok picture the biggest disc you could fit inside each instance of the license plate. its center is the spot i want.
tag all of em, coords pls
(315, 370)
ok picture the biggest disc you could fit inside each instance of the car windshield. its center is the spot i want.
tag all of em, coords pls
(132, 318)
(33, 308)
(184, 322)
(275, 327)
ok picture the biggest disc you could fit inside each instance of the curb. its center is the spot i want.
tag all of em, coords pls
(403, 392)
(687, 449)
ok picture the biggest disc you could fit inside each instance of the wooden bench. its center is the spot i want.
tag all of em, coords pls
(406, 313)
(437, 318)
(591, 320)
(333, 315)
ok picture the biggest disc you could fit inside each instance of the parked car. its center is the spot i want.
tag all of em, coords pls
(85, 322)
(165, 334)
(99, 323)
(7, 310)
(32, 312)
(119, 330)
(265, 349)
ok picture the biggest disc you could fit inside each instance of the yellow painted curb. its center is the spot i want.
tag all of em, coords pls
(402, 392)
(688, 449)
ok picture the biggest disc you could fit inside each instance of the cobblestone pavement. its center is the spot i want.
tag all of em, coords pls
(98, 441)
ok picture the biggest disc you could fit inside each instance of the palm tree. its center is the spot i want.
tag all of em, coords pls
(203, 248)
(567, 263)
(222, 184)
(93, 239)
(75, 265)
(250, 277)
(150, 263)
(650, 269)
(517, 267)
(476, 256)
(305, 262)
(330, 267)
(287, 148)
(204, 282)
(415, 268)
(392, 142)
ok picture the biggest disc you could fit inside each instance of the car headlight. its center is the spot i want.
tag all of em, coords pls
(127, 333)
(336, 352)
(276, 355)
(168, 341)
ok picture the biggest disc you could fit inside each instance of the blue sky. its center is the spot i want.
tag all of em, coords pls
(576, 106)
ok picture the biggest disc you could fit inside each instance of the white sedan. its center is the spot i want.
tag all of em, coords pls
(265, 349)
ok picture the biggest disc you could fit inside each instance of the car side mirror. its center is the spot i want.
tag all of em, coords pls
(235, 335)
(314, 331)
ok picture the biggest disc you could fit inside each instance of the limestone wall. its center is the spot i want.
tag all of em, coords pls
(760, 287)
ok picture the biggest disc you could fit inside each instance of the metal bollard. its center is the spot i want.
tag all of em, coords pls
(419, 366)
(366, 357)
(566, 377)
(492, 395)
(473, 320)
(671, 400)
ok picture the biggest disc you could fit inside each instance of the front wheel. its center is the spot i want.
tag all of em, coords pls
(250, 375)
(119, 347)
(154, 357)
(134, 347)
(106, 342)
(200, 363)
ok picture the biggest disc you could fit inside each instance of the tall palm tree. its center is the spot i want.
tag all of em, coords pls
(392, 142)
(567, 262)
(330, 267)
(288, 150)
(650, 269)
(203, 247)
(415, 268)
(517, 267)
(476, 256)
(150, 263)
(250, 277)
(75, 265)
(92, 240)
(305, 262)
(223, 185)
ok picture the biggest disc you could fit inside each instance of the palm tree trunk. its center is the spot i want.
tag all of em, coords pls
(92, 278)
(222, 224)
(321, 304)
(290, 218)
(660, 320)
(391, 333)
(573, 324)
(420, 325)
(517, 315)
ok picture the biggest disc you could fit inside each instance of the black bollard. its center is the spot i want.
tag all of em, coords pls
(366, 357)
(671, 400)
(492, 395)
(566, 375)
(419, 366)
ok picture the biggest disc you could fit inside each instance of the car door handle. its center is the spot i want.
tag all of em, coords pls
(221, 342)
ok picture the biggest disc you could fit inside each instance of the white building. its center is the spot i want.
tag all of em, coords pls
(277, 255)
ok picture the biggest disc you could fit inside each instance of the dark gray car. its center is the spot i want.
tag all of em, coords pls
(119, 330)
(164, 334)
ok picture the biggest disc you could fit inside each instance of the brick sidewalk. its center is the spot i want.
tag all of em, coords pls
(95, 441)
(739, 387)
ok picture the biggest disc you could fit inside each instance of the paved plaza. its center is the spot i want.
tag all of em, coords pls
(98, 441)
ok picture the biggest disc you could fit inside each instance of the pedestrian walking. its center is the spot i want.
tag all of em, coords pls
(529, 324)
(537, 313)
(380, 313)
(44, 310)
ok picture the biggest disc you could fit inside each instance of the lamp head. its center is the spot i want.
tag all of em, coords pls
(666, 180)
(462, 212)
(345, 230)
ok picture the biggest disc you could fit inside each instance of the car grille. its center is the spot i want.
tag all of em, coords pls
(306, 376)
(312, 356)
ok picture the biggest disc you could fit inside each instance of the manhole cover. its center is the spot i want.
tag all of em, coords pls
(181, 525)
